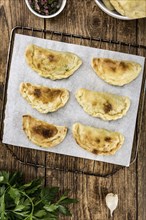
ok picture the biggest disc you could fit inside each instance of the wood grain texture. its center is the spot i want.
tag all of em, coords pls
(13, 13)
(85, 18)
(141, 162)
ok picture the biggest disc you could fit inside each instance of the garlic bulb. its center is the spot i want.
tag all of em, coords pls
(111, 202)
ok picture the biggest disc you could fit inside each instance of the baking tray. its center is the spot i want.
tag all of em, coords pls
(62, 162)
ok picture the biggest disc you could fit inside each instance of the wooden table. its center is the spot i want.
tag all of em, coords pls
(85, 18)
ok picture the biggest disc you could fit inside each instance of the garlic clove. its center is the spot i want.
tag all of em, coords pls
(111, 202)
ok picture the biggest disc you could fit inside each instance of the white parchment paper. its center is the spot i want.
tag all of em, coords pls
(84, 77)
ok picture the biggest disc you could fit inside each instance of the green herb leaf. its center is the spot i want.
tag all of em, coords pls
(2, 190)
(49, 194)
(2, 206)
(15, 178)
(51, 216)
(68, 201)
(32, 187)
(30, 201)
(1, 178)
(40, 213)
(64, 210)
(26, 203)
(51, 208)
(14, 194)
(19, 208)
(5, 176)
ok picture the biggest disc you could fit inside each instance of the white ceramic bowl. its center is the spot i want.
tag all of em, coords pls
(47, 16)
(114, 13)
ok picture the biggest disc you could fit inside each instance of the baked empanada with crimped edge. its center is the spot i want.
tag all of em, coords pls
(42, 133)
(96, 140)
(44, 99)
(50, 63)
(116, 72)
(104, 105)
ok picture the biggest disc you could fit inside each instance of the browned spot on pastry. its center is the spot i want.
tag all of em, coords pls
(107, 139)
(56, 92)
(26, 84)
(95, 62)
(38, 65)
(95, 151)
(37, 93)
(107, 107)
(47, 95)
(26, 116)
(109, 62)
(97, 140)
(51, 58)
(123, 65)
(28, 53)
(46, 90)
(113, 68)
(47, 132)
(51, 94)
(94, 103)
(107, 152)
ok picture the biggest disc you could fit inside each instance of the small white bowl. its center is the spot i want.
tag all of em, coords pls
(114, 13)
(47, 16)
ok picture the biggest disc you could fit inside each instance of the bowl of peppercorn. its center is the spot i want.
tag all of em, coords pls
(46, 8)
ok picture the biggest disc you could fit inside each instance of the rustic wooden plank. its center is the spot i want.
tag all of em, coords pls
(96, 23)
(88, 20)
(141, 162)
(91, 192)
(3, 48)
(81, 17)
(12, 14)
(141, 170)
(124, 182)
(89, 206)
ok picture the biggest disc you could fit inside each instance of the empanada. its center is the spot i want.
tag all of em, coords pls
(116, 72)
(41, 133)
(130, 8)
(103, 105)
(97, 141)
(50, 63)
(108, 4)
(44, 99)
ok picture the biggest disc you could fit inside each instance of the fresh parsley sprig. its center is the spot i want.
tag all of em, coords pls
(30, 201)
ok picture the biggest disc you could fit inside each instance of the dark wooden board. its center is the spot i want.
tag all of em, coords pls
(85, 18)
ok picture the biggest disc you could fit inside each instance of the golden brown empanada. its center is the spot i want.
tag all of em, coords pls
(106, 106)
(41, 133)
(44, 99)
(50, 63)
(96, 140)
(116, 72)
